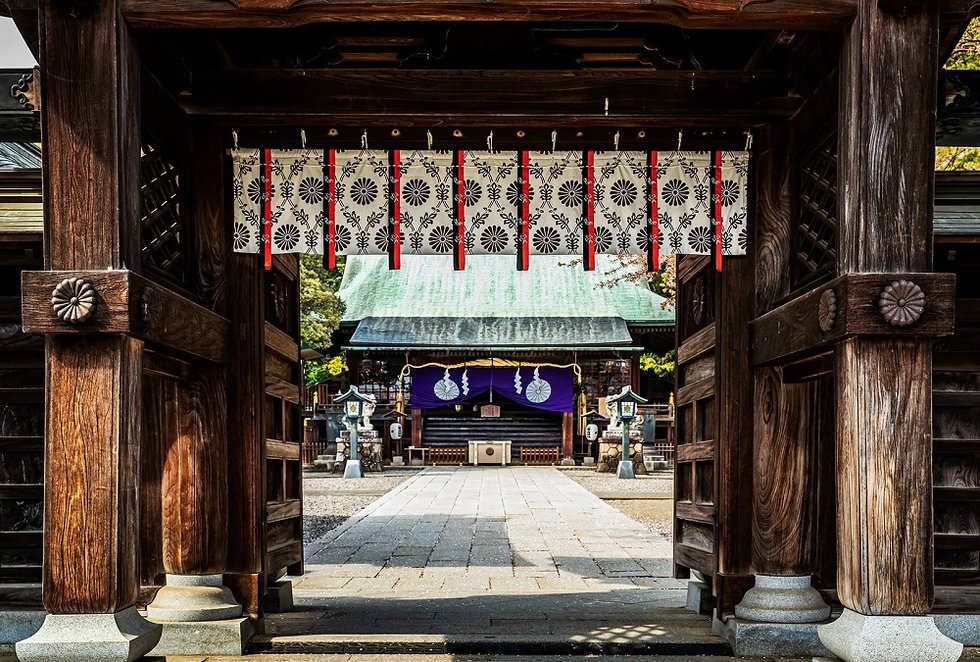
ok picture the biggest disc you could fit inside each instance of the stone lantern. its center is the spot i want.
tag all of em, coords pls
(625, 404)
(357, 406)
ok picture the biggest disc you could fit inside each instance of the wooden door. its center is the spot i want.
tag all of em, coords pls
(696, 419)
(282, 421)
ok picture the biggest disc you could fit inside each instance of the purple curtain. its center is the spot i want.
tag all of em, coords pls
(551, 389)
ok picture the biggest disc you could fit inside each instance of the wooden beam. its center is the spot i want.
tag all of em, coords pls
(792, 331)
(128, 303)
(687, 97)
(727, 14)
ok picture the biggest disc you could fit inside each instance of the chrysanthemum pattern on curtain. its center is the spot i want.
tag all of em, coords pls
(684, 185)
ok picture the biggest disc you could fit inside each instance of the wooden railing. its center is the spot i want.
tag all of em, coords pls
(539, 456)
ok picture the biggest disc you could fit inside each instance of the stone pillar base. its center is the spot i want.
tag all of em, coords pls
(353, 469)
(228, 637)
(121, 637)
(625, 470)
(964, 628)
(278, 597)
(193, 599)
(699, 598)
(752, 639)
(16, 626)
(858, 638)
(568, 462)
(778, 599)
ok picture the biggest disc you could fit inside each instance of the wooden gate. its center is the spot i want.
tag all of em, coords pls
(713, 460)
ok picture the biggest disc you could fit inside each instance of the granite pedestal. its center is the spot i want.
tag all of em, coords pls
(859, 638)
(124, 636)
(199, 616)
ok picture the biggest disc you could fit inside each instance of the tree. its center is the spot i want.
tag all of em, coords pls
(319, 314)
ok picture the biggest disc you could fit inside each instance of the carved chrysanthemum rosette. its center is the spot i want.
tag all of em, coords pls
(827, 310)
(73, 300)
(902, 303)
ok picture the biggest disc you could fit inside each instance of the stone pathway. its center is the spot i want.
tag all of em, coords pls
(478, 554)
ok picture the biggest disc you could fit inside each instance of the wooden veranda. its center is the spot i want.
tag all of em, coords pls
(804, 401)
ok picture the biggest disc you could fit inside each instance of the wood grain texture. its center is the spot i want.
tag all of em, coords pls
(657, 95)
(792, 331)
(210, 225)
(774, 218)
(784, 473)
(889, 69)
(91, 133)
(91, 473)
(195, 482)
(884, 451)
(159, 433)
(758, 14)
(733, 494)
(246, 437)
(130, 304)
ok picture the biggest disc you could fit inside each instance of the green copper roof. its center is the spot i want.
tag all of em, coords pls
(491, 286)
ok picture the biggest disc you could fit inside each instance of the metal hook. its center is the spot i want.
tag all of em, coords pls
(680, 139)
(364, 142)
(490, 141)
(428, 136)
(606, 106)
(616, 141)
(302, 137)
(234, 139)
(554, 140)
(748, 140)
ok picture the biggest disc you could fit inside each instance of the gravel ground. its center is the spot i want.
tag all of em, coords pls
(329, 500)
(646, 499)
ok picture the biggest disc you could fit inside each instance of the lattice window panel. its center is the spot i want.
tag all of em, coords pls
(164, 242)
(816, 234)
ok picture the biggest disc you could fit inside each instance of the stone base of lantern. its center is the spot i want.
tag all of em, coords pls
(611, 452)
(369, 448)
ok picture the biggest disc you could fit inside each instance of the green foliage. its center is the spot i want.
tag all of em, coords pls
(325, 368)
(662, 365)
(320, 309)
(966, 56)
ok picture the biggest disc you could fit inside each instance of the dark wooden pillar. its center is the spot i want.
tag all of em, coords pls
(887, 126)
(91, 158)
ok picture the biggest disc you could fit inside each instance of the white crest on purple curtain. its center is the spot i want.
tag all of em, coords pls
(620, 201)
(446, 388)
(491, 196)
(538, 390)
(247, 194)
(362, 202)
(556, 210)
(427, 202)
(684, 184)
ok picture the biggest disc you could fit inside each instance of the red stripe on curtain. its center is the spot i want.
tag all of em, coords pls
(267, 208)
(719, 230)
(588, 238)
(459, 254)
(330, 226)
(653, 249)
(524, 240)
(394, 227)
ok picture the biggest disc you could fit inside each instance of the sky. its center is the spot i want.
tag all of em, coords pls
(13, 51)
